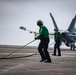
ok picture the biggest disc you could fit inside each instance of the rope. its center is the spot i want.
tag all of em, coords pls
(18, 49)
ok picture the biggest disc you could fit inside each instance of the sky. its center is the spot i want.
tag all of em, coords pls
(16, 13)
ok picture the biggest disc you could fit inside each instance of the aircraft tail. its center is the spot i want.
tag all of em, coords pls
(55, 25)
(71, 27)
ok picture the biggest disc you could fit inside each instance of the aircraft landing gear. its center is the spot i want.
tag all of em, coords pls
(72, 46)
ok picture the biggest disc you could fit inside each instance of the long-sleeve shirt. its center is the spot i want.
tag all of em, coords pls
(43, 32)
(57, 36)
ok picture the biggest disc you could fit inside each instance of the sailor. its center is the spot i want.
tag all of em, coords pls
(44, 41)
(57, 38)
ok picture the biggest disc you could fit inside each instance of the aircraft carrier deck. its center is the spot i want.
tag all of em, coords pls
(27, 62)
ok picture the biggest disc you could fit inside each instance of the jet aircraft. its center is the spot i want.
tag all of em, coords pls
(68, 36)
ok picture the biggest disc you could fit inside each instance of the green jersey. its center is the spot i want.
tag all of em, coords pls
(43, 32)
(57, 36)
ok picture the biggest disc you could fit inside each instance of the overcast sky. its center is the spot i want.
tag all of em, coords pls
(16, 13)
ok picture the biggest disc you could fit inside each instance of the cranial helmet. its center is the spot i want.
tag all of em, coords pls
(55, 29)
(39, 22)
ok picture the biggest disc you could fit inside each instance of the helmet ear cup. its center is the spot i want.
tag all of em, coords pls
(39, 22)
(55, 29)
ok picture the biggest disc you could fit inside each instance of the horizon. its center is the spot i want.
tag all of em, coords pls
(16, 13)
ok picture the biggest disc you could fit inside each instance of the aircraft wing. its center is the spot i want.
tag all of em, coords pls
(51, 35)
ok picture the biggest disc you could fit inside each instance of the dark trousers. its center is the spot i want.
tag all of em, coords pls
(42, 48)
(57, 46)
